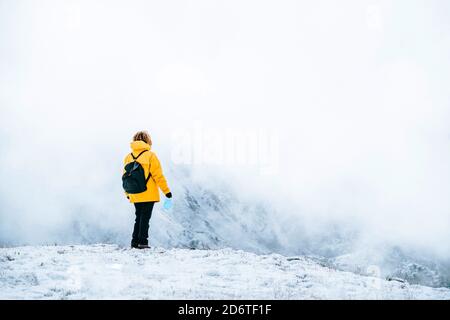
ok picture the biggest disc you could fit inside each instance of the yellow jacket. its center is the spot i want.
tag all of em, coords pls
(149, 162)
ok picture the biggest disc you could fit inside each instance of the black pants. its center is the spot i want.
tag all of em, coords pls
(143, 215)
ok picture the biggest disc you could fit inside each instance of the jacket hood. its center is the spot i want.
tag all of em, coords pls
(139, 146)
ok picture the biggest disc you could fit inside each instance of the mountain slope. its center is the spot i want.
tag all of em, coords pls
(112, 272)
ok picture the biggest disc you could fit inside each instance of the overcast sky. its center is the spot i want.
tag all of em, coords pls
(354, 93)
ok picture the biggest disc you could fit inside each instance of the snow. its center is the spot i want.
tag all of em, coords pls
(113, 272)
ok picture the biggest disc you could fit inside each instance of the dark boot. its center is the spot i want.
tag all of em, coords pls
(134, 244)
(143, 246)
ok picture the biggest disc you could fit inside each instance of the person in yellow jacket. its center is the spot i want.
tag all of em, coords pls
(144, 201)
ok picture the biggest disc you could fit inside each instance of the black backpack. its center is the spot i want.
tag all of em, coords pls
(133, 180)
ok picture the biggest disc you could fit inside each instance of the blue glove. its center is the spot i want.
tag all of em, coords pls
(167, 204)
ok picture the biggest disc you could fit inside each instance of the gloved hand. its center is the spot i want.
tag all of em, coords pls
(169, 195)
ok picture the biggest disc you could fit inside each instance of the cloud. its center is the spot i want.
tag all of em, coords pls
(354, 90)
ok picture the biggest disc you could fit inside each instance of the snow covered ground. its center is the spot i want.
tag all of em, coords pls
(113, 272)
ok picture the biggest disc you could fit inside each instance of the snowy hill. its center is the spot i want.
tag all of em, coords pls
(211, 216)
(113, 272)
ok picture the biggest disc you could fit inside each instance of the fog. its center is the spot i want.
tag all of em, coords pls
(347, 102)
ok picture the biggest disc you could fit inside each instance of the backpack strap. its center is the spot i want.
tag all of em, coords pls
(149, 173)
(148, 178)
(135, 158)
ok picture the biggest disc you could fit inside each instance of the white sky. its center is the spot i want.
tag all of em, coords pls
(356, 91)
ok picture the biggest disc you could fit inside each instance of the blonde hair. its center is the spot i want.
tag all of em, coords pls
(142, 136)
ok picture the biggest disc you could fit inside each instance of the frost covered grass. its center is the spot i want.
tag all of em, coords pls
(113, 272)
